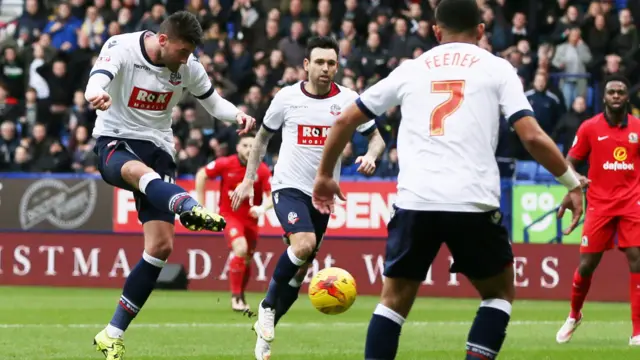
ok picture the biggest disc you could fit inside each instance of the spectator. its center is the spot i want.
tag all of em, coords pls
(63, 29)
(545, 104)
(12, 73)
(190, 159)
(31, 23)
(389, 167)
(292, 47)
(22, 161)
(572, 57)
(94, 28)
(9, 142)
(566, 129)
(8, 108)
(625, 42)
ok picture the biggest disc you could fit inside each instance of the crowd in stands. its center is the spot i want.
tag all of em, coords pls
(252, 48)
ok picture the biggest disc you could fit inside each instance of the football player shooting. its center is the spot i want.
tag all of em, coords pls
(135, 83)
(435, 203)
(304, 111)
(609, 141)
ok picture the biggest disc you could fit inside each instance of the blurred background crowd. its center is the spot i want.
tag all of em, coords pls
(561, 49)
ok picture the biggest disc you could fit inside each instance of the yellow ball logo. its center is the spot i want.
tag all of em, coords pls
(620, 153)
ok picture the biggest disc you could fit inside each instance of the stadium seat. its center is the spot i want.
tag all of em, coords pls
(543, 175)
(526, 170)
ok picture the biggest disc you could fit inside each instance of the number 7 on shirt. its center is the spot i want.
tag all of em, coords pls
(455, 89)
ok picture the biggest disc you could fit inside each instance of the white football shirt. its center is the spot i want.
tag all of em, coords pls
(451, 99)
(305, 120)
(143, 93)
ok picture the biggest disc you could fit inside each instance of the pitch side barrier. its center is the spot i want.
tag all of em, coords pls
(75, 230)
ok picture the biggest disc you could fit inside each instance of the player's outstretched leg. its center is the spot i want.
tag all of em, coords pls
(581, 285)
(164, 195)
(489, 327)
(633, 256)
(137, 289)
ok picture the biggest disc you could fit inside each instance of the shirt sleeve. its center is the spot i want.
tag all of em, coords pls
(514, 104)
(199, 85)
(274, 118)
(384, 94)
(581, 143)
(111, 59)
(215, 168)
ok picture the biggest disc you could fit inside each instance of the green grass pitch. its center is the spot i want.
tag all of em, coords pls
(57, 323)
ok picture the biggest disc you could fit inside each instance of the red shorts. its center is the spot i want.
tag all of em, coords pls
(599, 232)
(237, 227)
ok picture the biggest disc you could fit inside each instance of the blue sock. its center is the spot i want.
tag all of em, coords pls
(489, 329)
(164, 195)
(136, 291)
(383, 335)
(288, 296)
(285, 270)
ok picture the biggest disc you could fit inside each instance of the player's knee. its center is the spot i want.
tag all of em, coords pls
(132, 171)
(587, 266)
(160, 247)
(240, 248)
(303, 245)
(634, 265)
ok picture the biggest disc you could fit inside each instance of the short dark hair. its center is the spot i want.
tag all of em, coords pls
(616, 77)
(458, 16)
(322, 42)
(184, 26)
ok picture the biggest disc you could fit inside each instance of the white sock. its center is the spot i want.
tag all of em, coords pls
(114, 332)
(145, 180)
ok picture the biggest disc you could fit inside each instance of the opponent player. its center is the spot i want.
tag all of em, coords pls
(305, 111)
(242, 225)
(134, 84)
(609, 141)
(449, 185)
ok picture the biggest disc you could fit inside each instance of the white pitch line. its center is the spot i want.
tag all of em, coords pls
(300, 325)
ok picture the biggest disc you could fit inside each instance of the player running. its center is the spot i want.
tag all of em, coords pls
(242, 225)
(134, 84)
(609, 142)
(305, 111)
(451, 98)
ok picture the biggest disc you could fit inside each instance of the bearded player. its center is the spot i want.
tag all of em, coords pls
(609, 142)
(241, 231)
(304, 111)
(136, 81)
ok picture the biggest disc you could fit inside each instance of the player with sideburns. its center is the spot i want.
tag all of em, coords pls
(136, 81)
(304, 111)
(451, 99)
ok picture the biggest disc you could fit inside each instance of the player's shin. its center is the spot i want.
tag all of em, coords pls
(489, 329)
(288, 296)
(136, 291)
(383, 335)
(579, 291)
(237, 267)
(165, 195)
(286, 268)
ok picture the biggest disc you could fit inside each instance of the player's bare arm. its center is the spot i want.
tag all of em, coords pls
(573, 162)
(245, 189)
(376, 148)
(201, 180)
(325, 188)
(545, 152)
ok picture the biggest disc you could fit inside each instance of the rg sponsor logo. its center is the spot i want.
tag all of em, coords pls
(149, 100)
(312, 135)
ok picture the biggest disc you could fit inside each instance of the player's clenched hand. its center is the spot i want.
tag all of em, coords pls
(256, 211)
(367, 165)
(584, 181)
(573, 202)
(241, 193)
(325, 190)
(100, 101)
(246, 123)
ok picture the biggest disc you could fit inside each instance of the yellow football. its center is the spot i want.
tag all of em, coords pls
(332, 291)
